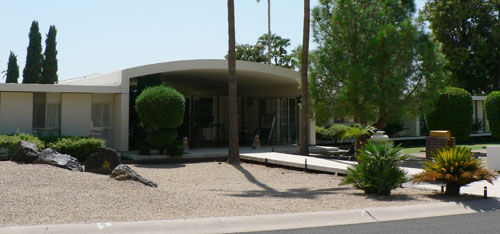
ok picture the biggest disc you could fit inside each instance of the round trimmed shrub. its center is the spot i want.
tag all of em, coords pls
(176, 148)
(162, 138)
(161, 107)
(452, 112)
(492, 109)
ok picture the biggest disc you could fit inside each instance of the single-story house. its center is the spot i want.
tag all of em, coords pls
(102, 105)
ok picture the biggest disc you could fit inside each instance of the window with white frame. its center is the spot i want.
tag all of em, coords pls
(101, 117)
(46, 114)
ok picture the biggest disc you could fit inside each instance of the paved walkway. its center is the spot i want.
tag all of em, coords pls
(340, 166)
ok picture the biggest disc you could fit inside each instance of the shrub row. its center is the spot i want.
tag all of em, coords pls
(78, 147)
(492, 108)
(11, 141)
(452, 112)
(331, 133)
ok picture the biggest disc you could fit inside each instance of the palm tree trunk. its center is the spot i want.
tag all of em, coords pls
(269, 30)
(233, 149)
(304, 117)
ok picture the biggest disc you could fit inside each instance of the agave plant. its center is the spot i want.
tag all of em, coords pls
(456, 167)
(378, 170)
(357, 132)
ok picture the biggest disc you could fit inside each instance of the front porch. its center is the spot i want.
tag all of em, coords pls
(221, 152)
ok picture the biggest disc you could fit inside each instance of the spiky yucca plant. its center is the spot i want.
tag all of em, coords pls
(378, 170)
(455, 166)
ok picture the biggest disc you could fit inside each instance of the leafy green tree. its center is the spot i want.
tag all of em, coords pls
(49, 65)
(33, 68)
(373, 62)
(12, 69)
(252, 53)
(279, 54)
(468, 31)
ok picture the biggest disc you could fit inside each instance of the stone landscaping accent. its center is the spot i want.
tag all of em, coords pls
(52, 157)
(103, 161)
(25, 152)
(124, 172)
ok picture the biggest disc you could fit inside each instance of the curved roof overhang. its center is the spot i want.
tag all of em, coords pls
(209, 77)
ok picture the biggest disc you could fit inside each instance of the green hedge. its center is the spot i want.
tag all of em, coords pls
(176, 148)
(452, 112)
(162, 138)
(331, 133)
(78, 147)
(161, 107)
(492, 108)
(11, 141)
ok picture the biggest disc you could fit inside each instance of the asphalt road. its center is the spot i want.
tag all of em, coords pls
(477, 223)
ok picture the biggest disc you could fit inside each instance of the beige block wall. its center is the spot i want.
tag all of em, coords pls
(16, 112)
(76, 114)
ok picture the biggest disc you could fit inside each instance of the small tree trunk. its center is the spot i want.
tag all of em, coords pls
(233, 148)
(452, 189)
(304, 117)
(269, 31)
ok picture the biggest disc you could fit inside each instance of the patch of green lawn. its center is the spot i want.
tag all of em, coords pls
(416, 150)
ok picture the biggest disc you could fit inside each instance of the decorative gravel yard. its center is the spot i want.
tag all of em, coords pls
(42, 194)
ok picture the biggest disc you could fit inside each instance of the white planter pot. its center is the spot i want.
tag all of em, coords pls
(493, 157)
(379, 136)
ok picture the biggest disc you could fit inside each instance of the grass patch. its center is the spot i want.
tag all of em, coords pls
(416, 150)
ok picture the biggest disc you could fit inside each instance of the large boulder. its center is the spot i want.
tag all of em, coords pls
(25, 152)
(124, 172)
(103, 161)
(52, 157)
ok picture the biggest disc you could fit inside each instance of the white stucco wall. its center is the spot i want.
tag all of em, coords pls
(16, 112)
(76, 114)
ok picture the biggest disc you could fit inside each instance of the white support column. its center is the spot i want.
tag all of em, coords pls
(312, 131)
(121, 118)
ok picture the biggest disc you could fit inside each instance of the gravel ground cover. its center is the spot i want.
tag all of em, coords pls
(42, 194)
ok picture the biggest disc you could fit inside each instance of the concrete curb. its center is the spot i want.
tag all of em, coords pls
(266, 222)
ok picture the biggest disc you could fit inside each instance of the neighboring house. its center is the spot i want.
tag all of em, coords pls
(414, 127)
(101, 106)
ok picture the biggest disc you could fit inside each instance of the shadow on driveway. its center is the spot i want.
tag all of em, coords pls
(271, 192)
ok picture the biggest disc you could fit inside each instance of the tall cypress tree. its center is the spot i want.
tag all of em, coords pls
(12, 69)
(33, 69)
(49, 66)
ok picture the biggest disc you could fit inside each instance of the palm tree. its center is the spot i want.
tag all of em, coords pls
(233, 156)
(358, 132)
(268, 30)
(303, 140)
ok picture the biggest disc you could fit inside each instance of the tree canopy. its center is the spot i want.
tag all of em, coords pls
(469, 33)
(12, 69)
(33, 68)
(373, 62)
(49, 65)
(280, 56)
